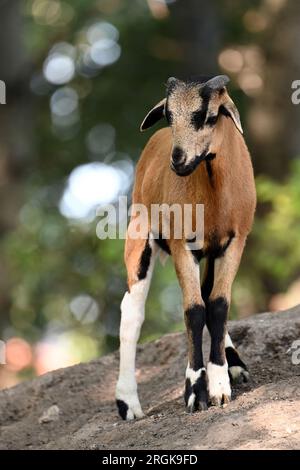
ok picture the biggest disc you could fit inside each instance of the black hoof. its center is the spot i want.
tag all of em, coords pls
(123, 408)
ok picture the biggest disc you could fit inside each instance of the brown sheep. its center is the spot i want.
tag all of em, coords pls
(201, 158)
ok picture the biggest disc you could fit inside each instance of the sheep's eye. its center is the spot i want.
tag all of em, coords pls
(211, 120)
(198, 118)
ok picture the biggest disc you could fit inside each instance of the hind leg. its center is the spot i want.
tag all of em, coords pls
(237, 369)
(140, 258)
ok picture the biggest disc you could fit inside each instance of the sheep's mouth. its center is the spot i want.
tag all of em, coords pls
(186, 170)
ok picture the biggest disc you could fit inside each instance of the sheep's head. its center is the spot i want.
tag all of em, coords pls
(192, 109)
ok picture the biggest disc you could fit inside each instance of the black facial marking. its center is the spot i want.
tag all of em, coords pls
(195, 321)
(163, 244)
(198, 117)
(233, 358)
(208, 282)
(155, 115)
(145, 261)
(185, 170)
(216, 322)
(211, 120)
(123, 408)
(177, 154)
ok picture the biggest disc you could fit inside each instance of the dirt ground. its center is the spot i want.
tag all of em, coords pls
(264, 413)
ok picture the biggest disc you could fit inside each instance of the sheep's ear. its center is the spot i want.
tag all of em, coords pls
(229, 109)
(154, 115)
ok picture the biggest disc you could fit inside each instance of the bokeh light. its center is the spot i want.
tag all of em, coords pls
(255, 21)
(91, 185)
(18, 354)
(84, 308)
(231, 60)
(64, 102)
(101, 139)
(62, 350)
(53, 13)
(59, 66)
(105, 52)
(65, 112)
(46, 12)
(102, 30)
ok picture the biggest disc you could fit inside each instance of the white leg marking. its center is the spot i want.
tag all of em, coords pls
(218, 382)
(191, 400)
(237, 372)
(228, 342)
(133, 312)
(132, 317)
(193, 375)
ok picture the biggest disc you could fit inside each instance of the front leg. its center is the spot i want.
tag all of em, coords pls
(187, 269)
(140, 258)
(217, 311)
(217, 367)
(195, 377)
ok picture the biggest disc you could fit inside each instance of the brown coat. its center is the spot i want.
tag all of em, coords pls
(229, 196)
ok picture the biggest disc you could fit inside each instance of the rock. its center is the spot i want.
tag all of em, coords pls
(51, 414)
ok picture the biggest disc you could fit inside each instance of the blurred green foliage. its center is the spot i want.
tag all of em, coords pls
(277, 232)
(51, 260)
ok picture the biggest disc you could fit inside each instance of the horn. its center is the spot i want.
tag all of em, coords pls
(171, 80)
(217, 82)
(171, 83)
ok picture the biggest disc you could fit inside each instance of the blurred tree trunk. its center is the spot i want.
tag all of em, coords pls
(197, 26)
(15, 114)
(15, 124)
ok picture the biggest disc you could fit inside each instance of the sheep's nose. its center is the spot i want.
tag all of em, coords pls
(177, 155)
